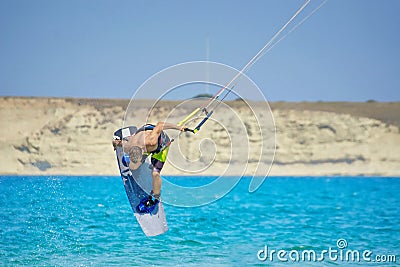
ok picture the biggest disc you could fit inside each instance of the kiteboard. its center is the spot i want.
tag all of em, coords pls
(138, 185)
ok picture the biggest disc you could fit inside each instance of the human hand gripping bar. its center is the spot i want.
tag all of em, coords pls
(195, 130)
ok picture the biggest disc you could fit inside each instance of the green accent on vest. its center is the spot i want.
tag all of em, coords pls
(162, 155)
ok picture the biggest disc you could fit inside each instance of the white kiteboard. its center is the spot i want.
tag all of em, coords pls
(138, 185)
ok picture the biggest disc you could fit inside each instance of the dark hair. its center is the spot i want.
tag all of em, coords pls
(135, 154)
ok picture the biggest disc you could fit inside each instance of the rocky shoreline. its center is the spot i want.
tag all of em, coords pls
(67, 136)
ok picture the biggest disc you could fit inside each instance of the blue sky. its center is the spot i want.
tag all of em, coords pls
(348, 51)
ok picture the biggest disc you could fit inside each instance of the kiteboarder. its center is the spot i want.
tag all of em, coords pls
(149, 140)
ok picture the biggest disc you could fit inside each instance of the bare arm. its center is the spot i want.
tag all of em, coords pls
(167, 126)
(163, 126)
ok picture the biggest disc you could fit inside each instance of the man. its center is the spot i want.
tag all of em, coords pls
(149, 140)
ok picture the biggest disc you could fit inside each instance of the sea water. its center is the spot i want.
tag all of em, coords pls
(87, 221)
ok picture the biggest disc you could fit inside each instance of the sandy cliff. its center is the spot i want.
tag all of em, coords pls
(73, 137)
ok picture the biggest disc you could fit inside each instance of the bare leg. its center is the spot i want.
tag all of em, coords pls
(156, 182)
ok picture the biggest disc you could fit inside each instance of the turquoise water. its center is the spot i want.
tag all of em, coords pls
(87, 221)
